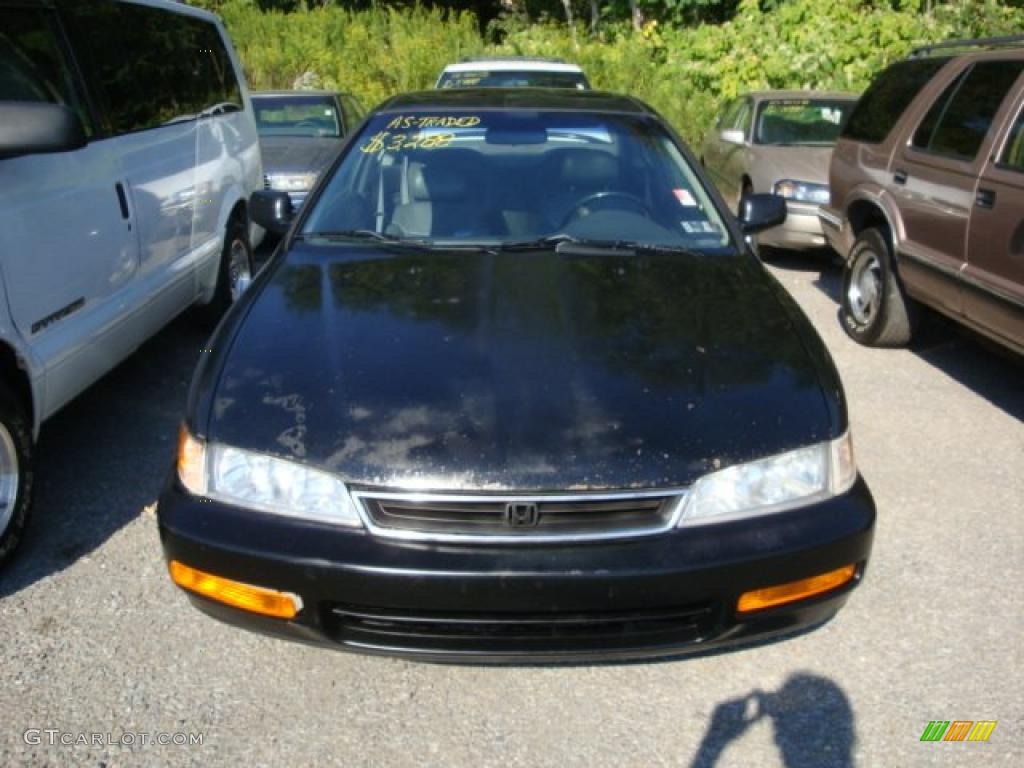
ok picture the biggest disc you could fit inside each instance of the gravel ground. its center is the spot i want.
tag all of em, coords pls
(96, 640)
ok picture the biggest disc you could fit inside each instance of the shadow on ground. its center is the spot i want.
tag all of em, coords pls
(978, 364)
(811, 717)
(103, 458)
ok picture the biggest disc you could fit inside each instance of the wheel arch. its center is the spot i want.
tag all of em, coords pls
(863, 214)
(14, 373)
(238, 212)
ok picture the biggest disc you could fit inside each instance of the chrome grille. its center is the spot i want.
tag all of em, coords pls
(541, 517)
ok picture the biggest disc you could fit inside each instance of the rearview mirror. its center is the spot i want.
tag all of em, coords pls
(761, 211)
(272, 210)
(733, 136)
(28, 128)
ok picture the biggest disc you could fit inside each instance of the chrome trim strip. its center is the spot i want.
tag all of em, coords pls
(456, 538)
(971, 281)
(828, 218)
(954, 272)
(992, 290)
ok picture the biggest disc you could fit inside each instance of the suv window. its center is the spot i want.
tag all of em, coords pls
(1013, 152)
(32, 65)
(888, 96)
(152, 66)
(960, 118)
(217, 85)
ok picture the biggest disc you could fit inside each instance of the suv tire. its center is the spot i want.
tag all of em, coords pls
(15, 472)
(874, 309)
(235, 271)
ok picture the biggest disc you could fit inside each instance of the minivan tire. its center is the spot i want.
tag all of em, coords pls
(874, 308)
(235, 265)
(16, 472)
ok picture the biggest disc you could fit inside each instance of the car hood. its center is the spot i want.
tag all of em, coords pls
(296, 154)
(772, 163)
(533, 371)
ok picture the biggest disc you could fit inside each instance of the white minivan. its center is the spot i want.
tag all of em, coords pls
(128, 151)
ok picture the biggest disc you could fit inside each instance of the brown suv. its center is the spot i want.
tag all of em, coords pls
(927, 195)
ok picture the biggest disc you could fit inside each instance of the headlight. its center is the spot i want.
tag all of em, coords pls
(773, 484)
(263, 482)
(802, 191)
(291, 182)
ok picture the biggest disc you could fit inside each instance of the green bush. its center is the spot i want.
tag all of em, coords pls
(685, 73)
(372, 54)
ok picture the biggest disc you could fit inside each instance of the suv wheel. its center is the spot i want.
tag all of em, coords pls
(15, 472)
(235, 271)
(874, 309)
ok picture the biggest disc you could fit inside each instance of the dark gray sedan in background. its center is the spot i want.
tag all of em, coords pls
(299, 133)
(779, 142)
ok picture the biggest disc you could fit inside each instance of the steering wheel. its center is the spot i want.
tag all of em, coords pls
(633, 200)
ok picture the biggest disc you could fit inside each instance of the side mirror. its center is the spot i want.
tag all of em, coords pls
(28, 128)
(732, 136)
(758, 212)
(271, 209)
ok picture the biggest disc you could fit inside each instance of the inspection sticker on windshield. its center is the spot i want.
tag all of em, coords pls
(700, 227)
(685, 197)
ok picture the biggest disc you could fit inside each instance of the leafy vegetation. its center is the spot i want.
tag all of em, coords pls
(684, 65)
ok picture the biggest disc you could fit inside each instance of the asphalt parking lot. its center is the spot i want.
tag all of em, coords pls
(96, 640)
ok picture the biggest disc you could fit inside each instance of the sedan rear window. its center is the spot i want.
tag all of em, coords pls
(513, 79)
(801, 121)
(311, 116)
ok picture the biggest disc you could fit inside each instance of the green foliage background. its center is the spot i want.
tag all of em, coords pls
(685, 72)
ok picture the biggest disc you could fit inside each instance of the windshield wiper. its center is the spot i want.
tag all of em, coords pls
(381, 237)
(540, 243)
(362, 234)
(569, 245)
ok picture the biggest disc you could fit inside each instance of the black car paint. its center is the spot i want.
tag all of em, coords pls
(358, 303)
(525, 371)
(710, 566)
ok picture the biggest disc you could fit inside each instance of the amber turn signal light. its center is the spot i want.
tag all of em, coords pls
(191, 462)
(266, 602)
(769, 597)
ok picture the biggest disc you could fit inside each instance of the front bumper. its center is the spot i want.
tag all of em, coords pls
(834, 227)
(801, 230)
(657, 596)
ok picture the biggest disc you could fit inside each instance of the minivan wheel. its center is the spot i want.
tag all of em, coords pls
(235, 267)
(15, 472)
(874, 310)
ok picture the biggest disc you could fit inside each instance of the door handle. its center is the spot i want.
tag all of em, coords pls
(900, 177)
(122, 199)
(986, 198)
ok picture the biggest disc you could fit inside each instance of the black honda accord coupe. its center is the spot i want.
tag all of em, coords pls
(513, 388)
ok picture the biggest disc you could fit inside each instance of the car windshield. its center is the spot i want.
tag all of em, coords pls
(801, 121)
(517, 177)
(311, 116)
(482, 78)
